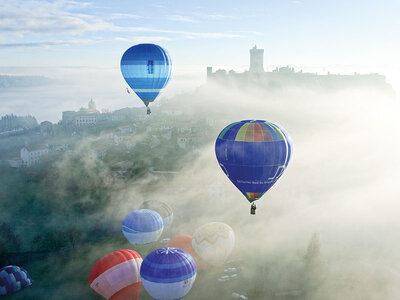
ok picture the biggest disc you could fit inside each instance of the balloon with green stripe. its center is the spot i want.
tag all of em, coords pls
(253, 154)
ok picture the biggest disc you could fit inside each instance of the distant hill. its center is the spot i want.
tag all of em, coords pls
(10, 81)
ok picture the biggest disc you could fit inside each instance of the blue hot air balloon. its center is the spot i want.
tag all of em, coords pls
(168, 273)
(13, 279)
(142, 226)
(147, 69)
(253, 154)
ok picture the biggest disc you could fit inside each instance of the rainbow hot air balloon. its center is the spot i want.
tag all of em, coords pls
(147, 69)
(116, 276)
(163, 209)
(142, 226)
(253, 154)
(168, 273)
(13, 279)
(184, 242)
(214, 242)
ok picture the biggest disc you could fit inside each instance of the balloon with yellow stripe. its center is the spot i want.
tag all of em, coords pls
(214, 242)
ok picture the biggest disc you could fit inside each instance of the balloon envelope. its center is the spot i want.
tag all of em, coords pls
(117, 275)
(214, 242)
(184, 242)
(163, 209)
(253, 154)
(142, 226)
(13, 279)
(147, 69)
(168, 273)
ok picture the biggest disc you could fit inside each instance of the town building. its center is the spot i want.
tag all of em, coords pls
(32, 155)
(46, 128)
(288, 76)
(97, 153)
(84, 117)
(186, 141)
(256, 60)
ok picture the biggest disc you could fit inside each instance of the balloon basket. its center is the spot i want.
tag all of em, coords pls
(253, 209)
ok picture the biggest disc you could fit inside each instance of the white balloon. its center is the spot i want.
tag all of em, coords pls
(214, 242)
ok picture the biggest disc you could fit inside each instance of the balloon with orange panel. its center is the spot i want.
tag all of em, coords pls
(116, 276)
(184, 242)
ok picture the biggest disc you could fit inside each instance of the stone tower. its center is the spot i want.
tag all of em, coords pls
(256, 60)
(92, 105)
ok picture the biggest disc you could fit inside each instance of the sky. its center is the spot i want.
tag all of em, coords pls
(83, 41)
(297, 32)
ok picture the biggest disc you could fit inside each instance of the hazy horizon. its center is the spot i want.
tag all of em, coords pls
(73, 87)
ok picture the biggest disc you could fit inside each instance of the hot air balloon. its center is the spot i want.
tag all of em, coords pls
(163, 209)
(253, 154)
(142, 226)
(116, 276)
(184, 242)
(168, 273)
(147, 69)
(214, 242)
(13, 279)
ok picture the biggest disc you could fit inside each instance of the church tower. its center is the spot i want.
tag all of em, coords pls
(256, 60)
(92, 105)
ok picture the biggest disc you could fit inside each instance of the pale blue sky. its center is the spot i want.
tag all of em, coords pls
(52, 37)
(207, 32)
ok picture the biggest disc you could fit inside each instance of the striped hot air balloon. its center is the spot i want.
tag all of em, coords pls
(168, 273)
(142, 226)
(253, 154)
(13, 279)
(214, 242)
(147, 69)
(116, 276)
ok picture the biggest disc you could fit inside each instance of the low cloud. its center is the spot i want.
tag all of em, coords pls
(50, 43)
(217, 16)
(19, 18)
(144, 39)
(26, 21)
(117, 16)
(180, 18)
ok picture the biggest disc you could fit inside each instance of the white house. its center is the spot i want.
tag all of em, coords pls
(185, 141)
(98, 153)
(59, 147)
(128, 129)
(172, 112)
(32, 155)
(185, 128)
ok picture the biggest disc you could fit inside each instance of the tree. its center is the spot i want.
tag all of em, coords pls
(313, 271)
(37, 243)
(55, 240)
(313, 252)
(74, 236)
(11, 242)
